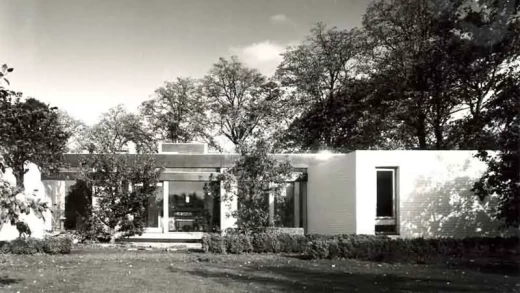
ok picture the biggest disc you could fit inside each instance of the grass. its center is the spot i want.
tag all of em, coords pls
(110, 270)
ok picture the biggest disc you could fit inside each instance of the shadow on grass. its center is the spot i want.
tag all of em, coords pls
(5, 281)
(489, 266)
(296, 279)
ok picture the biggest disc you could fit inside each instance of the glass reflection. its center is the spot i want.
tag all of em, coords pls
(193, 206)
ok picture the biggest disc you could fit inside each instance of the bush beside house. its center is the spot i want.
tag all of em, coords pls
(48, 245)
(257, 243)
(374, 248)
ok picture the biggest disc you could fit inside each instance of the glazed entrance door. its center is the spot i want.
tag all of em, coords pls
(154, 213)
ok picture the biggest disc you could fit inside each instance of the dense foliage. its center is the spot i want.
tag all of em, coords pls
(121, 186)
(14, 203)
(29, 133)
(362, 247)
(419, 250)
(253, 177)
(48, 245)
(116, 130)
(243, 104)
(502, 178)
(257, 242)
(25, 136)
(178, 113)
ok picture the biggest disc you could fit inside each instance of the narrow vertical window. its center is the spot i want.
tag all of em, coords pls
(385, 193)
(386, 200)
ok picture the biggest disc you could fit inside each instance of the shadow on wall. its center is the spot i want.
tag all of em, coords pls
(448, 208)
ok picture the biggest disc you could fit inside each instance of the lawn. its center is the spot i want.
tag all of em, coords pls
(110, 270)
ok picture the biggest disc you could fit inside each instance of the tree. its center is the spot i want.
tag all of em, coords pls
(412, 45)
(178, 113)
(490, 40)
(320, 75)
(250, 180)
(121, 186)
(499, 110)
(319, 68)
(344, 122)
(242, 103)
(433, 62)
(4, 94)
(503, 174)
(116, 129)
(30, 132)
(77, 130)
(13, 202)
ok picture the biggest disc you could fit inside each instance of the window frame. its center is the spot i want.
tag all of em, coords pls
(158, 229)
(390, 220)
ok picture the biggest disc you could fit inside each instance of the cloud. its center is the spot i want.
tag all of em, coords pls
(264, 56)
(279, 18)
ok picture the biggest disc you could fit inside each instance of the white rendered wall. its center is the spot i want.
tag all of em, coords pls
(35, 189)
(331, 200)
(228, 204)
(434, 193)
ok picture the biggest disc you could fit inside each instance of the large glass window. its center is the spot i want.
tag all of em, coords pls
(284, 207)
(289, 207)
(193, 206)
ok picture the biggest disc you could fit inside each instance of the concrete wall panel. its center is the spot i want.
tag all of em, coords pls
(331, 200)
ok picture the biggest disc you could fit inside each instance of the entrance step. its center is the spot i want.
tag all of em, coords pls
(179, 246)
(172, 237)
(160, 240)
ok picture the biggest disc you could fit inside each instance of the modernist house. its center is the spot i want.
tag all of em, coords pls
(403, 193)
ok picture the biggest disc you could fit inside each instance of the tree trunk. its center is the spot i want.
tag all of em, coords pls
(438, 138)
(421, 132)
(115, 234)
(18, 173)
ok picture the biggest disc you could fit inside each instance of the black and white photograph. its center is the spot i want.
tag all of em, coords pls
(259, 146)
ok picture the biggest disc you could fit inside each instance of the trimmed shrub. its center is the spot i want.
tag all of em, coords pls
(26, 246)
(50, 245)
(5, 247)
(334, 249)
(285, 230)
(238, 243)
(266, 242)
(57, 245)
(214, 243)
(419, 250)
(258, 243)
(362, 247)
(292, 243)
(319, 249)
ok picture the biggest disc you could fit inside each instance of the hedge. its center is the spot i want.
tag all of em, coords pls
(258, 243)
(49, 245)
(361, 247)
(374, 248)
